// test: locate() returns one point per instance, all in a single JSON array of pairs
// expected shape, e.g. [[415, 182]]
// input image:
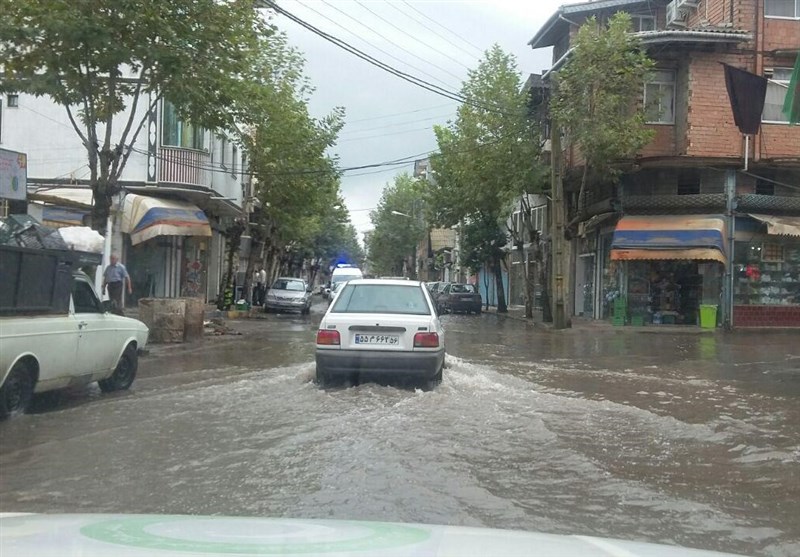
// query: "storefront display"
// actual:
[[767, 273], [766, 291], [664, 292]]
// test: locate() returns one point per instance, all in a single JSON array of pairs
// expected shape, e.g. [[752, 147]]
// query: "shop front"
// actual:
[[669, 269], [766, 287], [166, 247]]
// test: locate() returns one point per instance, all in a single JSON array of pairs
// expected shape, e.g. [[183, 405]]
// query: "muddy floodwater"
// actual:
[[687, 439]]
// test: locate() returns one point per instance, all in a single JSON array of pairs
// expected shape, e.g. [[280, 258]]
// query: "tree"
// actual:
[[596, 95], [487, 158], [110, 62], [295, 180], [482, 245], [398, 227]]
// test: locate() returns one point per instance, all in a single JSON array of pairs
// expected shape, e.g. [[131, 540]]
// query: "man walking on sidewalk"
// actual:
[[115, 277]]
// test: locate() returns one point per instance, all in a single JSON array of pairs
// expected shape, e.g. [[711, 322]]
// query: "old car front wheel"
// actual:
[[17, 391], [124, 373]]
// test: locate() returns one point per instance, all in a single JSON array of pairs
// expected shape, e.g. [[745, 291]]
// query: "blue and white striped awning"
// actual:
[[146, 217]]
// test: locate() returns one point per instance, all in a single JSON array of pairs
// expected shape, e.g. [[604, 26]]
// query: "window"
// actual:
[[380, 298], [177, 133], [643, 23], [12, 101], [223, 146], [659, 98], [782, 8], [764, 187], [84, 299], [234, 160], [777, 87], [689, 182]]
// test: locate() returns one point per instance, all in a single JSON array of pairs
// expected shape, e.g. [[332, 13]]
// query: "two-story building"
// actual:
[[696, 219], [181, 188]]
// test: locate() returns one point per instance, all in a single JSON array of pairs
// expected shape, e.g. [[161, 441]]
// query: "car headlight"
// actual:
[[271, 296]]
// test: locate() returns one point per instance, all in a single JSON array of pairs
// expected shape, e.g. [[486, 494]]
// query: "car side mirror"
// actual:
[[309, 289], [107, 306]]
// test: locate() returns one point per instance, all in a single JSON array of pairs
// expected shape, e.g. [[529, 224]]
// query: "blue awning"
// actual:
[[688, 237]]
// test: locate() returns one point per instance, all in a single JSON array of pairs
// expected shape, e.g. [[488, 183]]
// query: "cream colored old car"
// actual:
[[40, 353]]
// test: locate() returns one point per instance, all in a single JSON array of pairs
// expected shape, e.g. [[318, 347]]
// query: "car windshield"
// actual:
[[382, 298], [462, 288], [293, 285]]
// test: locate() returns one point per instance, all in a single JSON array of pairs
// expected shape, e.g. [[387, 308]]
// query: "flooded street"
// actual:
[[684, 439]]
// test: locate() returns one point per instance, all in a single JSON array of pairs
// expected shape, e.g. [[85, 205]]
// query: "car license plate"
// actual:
[[377, 339]]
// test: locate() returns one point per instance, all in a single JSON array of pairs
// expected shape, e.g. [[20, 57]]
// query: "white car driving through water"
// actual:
[[377, 327]]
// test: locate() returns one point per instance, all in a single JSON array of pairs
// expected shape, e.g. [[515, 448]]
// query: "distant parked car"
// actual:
[[289, 294], [436, 293], [460, 297]]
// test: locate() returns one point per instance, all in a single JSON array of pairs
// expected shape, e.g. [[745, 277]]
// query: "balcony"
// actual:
[[187, 167]]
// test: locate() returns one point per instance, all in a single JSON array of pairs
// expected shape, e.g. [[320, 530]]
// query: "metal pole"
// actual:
[[746, 151], [98, 275], [730, 191], [557, 224]]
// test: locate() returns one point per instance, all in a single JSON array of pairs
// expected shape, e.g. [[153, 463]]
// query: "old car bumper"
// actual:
[[347, 362], [287, 305]]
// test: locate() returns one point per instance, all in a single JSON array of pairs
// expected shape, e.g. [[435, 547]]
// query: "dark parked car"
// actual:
[[459, 297]]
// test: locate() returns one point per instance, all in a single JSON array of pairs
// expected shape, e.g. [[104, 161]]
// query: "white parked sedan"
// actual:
[[381, 327]]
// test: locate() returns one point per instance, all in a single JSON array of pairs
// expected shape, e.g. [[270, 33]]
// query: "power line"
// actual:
[[399, 124], [398, 114], [401, 132], [382, 65], [458, 36], [420, 41], [432, 30], [379, 49]]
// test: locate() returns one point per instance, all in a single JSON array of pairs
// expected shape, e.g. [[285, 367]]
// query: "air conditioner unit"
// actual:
[[686, 4], [676, 15]]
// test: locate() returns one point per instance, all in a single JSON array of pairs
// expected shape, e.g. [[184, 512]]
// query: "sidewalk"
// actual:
[[584, 324]]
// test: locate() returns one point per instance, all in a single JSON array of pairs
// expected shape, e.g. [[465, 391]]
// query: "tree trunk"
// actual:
[[543, 262], [486, 284], [502, 307], [102, 205], [233, 235], [530, 287]]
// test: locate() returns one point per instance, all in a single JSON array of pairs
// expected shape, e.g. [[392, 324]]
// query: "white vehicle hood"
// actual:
[[24, 535]]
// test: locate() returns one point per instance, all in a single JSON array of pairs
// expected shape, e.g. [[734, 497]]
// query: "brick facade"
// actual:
[[766, 316]]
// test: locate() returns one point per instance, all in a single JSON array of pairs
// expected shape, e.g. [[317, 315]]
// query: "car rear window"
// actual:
[[461, 288], [381, 298]]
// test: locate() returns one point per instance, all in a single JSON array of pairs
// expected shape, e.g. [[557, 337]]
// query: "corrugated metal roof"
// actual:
[[779, 225], [581, 7]]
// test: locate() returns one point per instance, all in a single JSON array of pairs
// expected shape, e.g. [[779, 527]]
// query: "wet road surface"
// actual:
[[676, 438]]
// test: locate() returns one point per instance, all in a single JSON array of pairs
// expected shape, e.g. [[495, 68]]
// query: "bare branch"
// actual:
[[127, 152], [134, 106], [112, 86]]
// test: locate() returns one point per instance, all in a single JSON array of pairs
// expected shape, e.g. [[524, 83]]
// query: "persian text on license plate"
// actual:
[[377, 339]]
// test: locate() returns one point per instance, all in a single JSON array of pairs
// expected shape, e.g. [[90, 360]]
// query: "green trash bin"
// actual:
[[708, 316]]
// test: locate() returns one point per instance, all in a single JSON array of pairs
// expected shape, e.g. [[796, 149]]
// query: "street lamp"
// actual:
[[401, 214]]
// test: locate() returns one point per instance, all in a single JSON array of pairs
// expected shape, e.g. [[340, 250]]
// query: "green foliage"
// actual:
[[108, 62], [482, 243], [597, 95], [394, 237], [487, 158], [489, 155]]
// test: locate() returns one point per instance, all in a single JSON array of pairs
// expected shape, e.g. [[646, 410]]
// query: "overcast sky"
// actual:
[[386, 117]]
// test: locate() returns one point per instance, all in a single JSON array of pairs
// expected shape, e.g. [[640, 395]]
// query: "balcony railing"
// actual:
[[184, 166]]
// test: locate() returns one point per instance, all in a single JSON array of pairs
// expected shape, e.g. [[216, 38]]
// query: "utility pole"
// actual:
[[557, 229]]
